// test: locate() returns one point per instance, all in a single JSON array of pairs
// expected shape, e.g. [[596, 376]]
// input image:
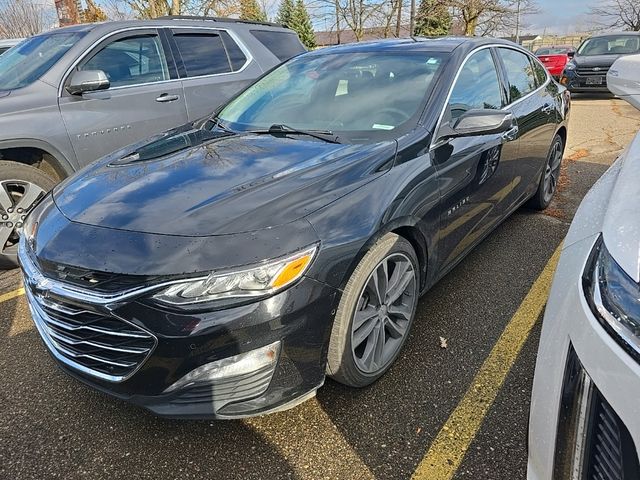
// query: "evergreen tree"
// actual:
[[433, 18], [301, 23], [285, 12], [251, 10]]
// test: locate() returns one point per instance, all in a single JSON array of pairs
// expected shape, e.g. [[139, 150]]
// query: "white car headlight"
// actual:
[[570, 66], [254, 281], [614, 297]]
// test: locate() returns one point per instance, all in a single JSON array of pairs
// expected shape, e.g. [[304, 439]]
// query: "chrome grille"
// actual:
[[100, 345], [588, 71]]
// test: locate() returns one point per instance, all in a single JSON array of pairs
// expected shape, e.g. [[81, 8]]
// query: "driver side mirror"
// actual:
[[479, 122], [571, 54], [84, 81]]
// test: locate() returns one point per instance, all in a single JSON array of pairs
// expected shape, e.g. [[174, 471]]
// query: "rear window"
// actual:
[[202, 53], [283, 45]]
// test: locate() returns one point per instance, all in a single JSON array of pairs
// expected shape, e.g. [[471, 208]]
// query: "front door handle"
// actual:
[[511, 134], [165, 97], [547, 108]]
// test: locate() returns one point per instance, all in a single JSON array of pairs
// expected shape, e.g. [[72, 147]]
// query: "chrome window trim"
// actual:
[[90, 50], [435, 144], [234, 37]]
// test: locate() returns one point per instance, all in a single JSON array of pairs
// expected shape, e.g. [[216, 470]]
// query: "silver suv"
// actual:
[[72, 95]]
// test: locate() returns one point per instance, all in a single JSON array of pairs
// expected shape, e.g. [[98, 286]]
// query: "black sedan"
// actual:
[[226, 267]]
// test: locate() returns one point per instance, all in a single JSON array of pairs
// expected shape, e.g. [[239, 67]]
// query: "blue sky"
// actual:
[[560, 16]]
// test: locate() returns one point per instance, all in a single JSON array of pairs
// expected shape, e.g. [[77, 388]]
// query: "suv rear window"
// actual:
[[202, 53], [283, 45]]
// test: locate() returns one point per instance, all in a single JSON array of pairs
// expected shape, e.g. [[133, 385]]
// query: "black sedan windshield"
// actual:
[[27, 62], [372, 93], [610, 45]]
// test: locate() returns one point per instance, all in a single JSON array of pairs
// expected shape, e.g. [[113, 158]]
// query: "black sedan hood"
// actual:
[[595, 60], [220, 184]]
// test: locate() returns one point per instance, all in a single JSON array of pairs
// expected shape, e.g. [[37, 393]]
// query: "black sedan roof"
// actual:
[[432, 44]]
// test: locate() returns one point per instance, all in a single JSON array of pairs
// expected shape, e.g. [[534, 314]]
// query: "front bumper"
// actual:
[[613, 379], [576, 83], [131, 349]]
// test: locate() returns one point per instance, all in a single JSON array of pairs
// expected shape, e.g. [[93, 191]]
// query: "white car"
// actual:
[[585, 408], [623, 79], [8, 43]]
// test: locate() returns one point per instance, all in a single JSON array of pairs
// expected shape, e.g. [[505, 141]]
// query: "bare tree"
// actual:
[[23, 18], [360, 14], [623, 14], [488, 17]]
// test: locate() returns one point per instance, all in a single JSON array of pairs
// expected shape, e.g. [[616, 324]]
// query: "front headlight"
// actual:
[[244, 283], [570, 66], [614, 297]]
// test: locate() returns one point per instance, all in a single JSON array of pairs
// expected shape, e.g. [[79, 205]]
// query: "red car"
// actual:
[[555, 58]]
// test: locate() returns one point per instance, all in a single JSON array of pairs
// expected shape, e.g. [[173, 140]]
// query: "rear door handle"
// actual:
[[511, 134], [547, 108], [165, 97]]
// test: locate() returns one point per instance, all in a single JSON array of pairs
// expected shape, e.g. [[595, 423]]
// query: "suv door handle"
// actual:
[[165, 97], [511, 134], [547, 108]]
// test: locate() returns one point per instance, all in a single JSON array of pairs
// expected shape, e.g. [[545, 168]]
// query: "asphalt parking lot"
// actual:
[[433, 415]]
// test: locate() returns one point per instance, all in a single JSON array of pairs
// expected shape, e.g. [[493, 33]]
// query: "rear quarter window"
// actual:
[[283, 45]]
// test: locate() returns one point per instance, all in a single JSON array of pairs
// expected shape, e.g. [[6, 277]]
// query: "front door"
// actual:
[[143, 98], [474, 175]]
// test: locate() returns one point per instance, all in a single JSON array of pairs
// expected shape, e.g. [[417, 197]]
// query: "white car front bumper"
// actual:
[[591, 421]]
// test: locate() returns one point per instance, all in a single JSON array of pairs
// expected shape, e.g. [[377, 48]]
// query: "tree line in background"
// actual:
[[389, 18]]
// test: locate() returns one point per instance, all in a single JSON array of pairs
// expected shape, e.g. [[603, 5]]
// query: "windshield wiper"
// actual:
[[217, 122], [280, 129]]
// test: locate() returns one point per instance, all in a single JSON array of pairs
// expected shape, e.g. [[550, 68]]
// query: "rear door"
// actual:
[[534, 107], [145, 96], [213, 64], [474, 173]]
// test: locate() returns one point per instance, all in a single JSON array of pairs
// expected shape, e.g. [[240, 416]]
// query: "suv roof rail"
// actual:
[[218, 19]]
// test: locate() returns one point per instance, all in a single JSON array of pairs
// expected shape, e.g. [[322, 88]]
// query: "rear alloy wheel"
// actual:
[[549, 181], [21, 186], [375, 313]]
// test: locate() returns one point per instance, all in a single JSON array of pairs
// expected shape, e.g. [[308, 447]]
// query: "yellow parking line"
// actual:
[[445, 454], [12, 294]]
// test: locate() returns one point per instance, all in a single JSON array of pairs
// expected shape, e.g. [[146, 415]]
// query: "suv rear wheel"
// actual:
[[21, 186]]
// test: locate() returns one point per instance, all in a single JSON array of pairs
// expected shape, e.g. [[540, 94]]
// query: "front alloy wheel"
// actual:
[[375, 313], [21, 186], [384, 311]]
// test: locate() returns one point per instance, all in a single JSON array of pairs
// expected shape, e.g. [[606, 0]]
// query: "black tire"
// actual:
[[342, 364], [17, 182], [551, 173]]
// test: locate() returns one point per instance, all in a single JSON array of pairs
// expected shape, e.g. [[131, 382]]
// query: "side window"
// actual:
[[236, 56], [477, 86], [520, 73], [283, 45], [540, 71], [202, 53], [131, 61]]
